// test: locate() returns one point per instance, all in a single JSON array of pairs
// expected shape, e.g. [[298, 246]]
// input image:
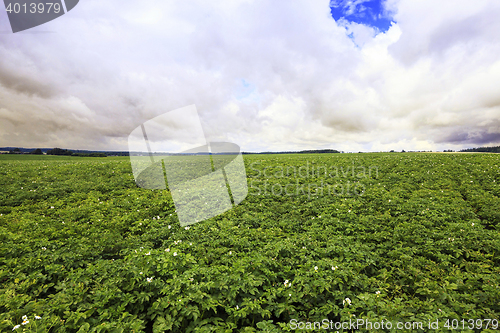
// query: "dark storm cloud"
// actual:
[[12, 78], [472, 137]]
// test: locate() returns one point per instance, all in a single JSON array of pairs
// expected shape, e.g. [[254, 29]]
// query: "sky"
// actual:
[[359, 75]]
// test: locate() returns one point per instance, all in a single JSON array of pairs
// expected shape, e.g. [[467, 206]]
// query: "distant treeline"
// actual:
[[66, 152], [319, 151], [59, 151], [482, 150], [18, 151], [62, 152], [90, 153], [316, 151]]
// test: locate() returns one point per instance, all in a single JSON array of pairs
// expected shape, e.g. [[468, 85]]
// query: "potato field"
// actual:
[[319, 239]]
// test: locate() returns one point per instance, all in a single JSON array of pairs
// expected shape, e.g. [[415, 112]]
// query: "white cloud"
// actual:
[[429, 81]]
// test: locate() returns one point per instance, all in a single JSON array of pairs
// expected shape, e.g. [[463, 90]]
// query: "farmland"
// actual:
[[399, 237]]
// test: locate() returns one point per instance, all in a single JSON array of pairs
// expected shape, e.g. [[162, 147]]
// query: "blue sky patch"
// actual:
[[244, 89], [368, 12]]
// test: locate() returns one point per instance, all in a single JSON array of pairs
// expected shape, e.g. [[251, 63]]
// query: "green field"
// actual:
[[398, 237]]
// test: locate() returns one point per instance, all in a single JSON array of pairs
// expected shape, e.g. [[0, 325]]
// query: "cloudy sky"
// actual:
[[353, 75]]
